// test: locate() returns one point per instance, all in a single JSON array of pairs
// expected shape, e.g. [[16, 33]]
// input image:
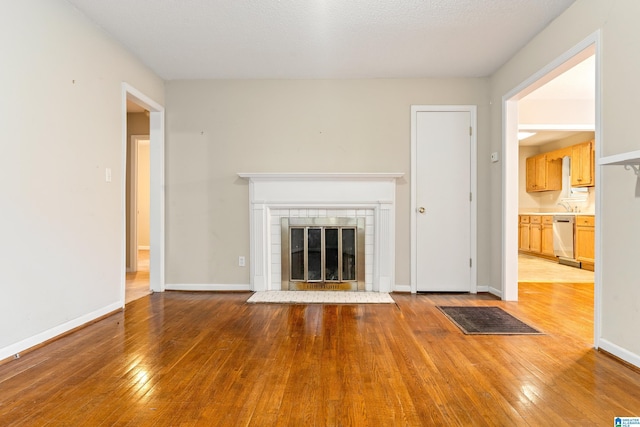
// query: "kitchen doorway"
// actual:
[[511, 165], [554, 122]]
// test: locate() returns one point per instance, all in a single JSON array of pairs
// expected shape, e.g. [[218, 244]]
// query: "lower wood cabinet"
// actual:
[[535, 237], [547, 236], [535, 234], [585, 241], [523, 233]]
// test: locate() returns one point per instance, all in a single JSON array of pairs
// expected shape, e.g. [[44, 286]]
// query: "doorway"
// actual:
[[556, 122], [443, 214], [510, 148], [138, 201], [156, 188]]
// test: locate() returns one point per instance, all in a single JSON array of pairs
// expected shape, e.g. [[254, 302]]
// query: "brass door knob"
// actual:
[[421, 210]]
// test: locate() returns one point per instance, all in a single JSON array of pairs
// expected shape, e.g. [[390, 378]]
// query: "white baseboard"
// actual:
[[206, 287], [481, 288], [37, 339], [494, 291], [620, 352]]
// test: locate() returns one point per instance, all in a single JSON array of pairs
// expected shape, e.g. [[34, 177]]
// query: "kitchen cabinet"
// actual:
[[582, 165], [523, 233], [547, 236], [535, 233], [543, 173], [585, 241]]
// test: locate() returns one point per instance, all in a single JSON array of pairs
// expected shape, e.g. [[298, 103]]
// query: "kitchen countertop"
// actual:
[[555, 213]]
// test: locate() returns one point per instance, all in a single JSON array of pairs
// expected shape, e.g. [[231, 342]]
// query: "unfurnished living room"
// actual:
[[319, 213]]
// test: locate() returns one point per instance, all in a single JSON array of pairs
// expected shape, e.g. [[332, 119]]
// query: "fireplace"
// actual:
[[369, 197], [323, 253]]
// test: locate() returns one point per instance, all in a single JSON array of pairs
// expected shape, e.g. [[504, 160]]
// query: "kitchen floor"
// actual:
[[534, 269]]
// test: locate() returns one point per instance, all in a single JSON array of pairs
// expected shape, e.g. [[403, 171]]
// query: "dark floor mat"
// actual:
[[486, 320]]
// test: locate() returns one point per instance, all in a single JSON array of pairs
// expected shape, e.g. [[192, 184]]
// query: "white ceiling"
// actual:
[[193, 39], [576, 83]]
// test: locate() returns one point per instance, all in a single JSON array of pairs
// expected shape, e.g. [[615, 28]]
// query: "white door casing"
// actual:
[[443, 214]]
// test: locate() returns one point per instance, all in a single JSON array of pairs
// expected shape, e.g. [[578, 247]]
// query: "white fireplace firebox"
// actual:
[[368, 198]]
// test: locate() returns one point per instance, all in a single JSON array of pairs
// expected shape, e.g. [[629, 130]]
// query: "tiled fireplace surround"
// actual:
[[273, 196]]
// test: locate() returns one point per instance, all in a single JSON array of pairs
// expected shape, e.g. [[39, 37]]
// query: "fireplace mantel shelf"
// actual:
[[320, 176]]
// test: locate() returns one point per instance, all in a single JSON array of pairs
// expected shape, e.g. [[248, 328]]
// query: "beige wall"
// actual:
[[61, 126], [620, 206], [216, 129]]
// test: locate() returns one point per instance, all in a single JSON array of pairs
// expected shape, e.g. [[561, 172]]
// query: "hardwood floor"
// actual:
[[137, 284], [211, 359]]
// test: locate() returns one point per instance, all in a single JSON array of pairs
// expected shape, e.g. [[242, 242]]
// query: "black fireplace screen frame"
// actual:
[[323, 253]]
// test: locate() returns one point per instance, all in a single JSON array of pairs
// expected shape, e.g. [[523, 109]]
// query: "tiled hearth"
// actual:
[[367, 195]]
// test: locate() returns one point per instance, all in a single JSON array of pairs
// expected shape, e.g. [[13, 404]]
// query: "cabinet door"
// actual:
[[531, 174], [582, 166], [535, 238], [585, 233], [523, 233], [547, 235], [543, 174]]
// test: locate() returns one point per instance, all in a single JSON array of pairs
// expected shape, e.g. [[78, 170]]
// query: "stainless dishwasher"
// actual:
[[563, 240]]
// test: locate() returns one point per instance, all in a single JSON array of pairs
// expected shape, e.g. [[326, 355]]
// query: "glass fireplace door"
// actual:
[[321, 254]]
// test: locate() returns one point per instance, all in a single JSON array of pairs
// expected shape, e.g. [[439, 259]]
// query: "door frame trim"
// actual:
[[157, 196], [472, 110]]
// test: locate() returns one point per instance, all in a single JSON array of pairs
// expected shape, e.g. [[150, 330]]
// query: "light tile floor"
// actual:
[[534, 269]]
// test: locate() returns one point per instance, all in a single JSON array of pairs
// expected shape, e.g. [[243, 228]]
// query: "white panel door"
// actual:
[[443, 189]]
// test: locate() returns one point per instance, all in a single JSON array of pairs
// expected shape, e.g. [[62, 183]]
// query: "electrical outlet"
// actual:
[[241, 261]]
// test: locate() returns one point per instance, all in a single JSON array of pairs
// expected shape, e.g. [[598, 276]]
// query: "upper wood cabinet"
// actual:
[[582, 165], [543, 173]]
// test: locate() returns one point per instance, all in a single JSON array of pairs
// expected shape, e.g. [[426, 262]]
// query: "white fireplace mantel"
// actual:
[[374, 191]]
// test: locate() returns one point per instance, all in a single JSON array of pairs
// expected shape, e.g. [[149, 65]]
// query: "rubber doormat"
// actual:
[[486, 321]]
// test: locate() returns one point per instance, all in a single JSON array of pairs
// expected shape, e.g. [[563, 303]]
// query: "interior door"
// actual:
[[443, 200]]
